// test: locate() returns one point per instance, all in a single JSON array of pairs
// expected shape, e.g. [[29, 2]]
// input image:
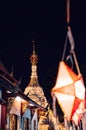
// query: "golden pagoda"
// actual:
[[33, 90]]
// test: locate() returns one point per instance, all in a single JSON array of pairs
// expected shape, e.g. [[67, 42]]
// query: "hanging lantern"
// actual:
[[69, 90]]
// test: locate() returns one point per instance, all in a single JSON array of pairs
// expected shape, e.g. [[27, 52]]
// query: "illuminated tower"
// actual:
[[33, 89]]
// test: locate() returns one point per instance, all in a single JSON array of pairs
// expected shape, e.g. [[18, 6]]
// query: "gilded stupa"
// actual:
[[33, 90]]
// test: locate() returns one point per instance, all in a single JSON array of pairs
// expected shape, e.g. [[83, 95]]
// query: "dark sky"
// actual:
[[46, 22]]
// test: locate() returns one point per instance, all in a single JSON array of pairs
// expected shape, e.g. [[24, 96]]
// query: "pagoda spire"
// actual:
[[33, 90], [34, 61], [34, 58], [33, 41]]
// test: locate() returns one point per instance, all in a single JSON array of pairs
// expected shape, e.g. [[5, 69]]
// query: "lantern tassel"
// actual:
[[84, 121], [66, 123], [54, 104]]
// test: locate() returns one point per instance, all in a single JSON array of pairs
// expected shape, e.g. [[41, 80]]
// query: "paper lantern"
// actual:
[[69, 90]]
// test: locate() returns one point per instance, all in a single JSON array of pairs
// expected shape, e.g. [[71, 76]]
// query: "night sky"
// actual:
[[46, 22]]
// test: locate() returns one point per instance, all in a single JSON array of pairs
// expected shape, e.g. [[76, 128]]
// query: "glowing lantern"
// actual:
[[69, 90]]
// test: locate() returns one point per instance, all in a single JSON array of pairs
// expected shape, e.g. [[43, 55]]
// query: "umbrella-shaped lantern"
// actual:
[[69, 89]]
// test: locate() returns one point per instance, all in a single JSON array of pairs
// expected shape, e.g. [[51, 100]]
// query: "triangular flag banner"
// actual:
[[16, 108]]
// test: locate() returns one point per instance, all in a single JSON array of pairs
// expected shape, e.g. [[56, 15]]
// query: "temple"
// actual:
[[24, 110]]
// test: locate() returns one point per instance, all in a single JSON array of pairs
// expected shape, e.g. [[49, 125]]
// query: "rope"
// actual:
[[65, 45], [71, 37], [69, 57], [68, 11], [68, 20], [76, 62]]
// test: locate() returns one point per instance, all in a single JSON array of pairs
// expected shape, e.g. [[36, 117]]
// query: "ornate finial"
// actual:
[[34, 57], [33, 41]]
